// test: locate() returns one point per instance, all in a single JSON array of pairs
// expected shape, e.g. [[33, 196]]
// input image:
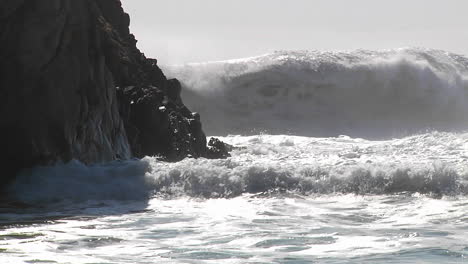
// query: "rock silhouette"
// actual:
[[74, 85]]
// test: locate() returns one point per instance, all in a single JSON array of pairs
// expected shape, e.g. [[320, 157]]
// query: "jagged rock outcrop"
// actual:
[[218, 149], [60, 64], [152, 114], [156, 120]]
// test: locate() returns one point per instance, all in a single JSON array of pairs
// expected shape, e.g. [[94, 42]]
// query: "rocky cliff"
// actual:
[[74, 85]]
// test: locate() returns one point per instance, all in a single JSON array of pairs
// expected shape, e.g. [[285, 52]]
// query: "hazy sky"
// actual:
[[180, 31]]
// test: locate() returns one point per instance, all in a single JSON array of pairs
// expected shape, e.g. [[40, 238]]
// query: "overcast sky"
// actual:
[[181, 31]]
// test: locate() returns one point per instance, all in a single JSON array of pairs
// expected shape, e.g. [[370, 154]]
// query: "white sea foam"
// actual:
[[279, 198], [433, 163], [374, 94]]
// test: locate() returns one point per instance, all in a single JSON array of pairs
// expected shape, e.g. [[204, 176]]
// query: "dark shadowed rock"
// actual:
[[218, 149], [60, 64], [160, 125], [57, 89]]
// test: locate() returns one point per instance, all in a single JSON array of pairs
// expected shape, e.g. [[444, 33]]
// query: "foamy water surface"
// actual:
[[294, 191], [278, 199]]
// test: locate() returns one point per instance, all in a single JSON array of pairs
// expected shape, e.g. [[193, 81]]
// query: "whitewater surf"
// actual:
[[338, 157]]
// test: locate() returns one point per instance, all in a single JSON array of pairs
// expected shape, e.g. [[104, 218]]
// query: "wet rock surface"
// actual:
[[218, 149]]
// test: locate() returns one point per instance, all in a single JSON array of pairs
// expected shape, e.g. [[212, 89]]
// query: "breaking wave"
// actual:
[[414, 101], [433, 164], [372, 94]]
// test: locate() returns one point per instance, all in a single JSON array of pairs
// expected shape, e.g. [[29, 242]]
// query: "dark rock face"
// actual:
[[60, 64], [152, 115], [57, 89]]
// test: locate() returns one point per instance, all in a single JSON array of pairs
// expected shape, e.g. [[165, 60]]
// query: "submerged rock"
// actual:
[[218, 149], [60, 64]]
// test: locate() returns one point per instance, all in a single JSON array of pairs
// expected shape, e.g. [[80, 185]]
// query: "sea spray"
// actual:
[[372, 94], [279, 198]]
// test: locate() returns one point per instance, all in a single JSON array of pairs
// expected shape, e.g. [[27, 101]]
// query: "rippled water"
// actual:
[[278, 199]]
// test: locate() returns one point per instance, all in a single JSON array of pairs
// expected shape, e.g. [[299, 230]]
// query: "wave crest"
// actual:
[[213, 183], [371, 94]]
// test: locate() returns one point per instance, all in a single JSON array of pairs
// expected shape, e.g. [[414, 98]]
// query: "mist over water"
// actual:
[[371, 94]]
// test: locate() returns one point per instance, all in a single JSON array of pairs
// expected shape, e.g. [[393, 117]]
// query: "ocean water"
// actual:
[[370, 94], [363, 160], [278, 199]]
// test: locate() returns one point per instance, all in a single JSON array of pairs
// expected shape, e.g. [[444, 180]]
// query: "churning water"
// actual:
[[394, 190]]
